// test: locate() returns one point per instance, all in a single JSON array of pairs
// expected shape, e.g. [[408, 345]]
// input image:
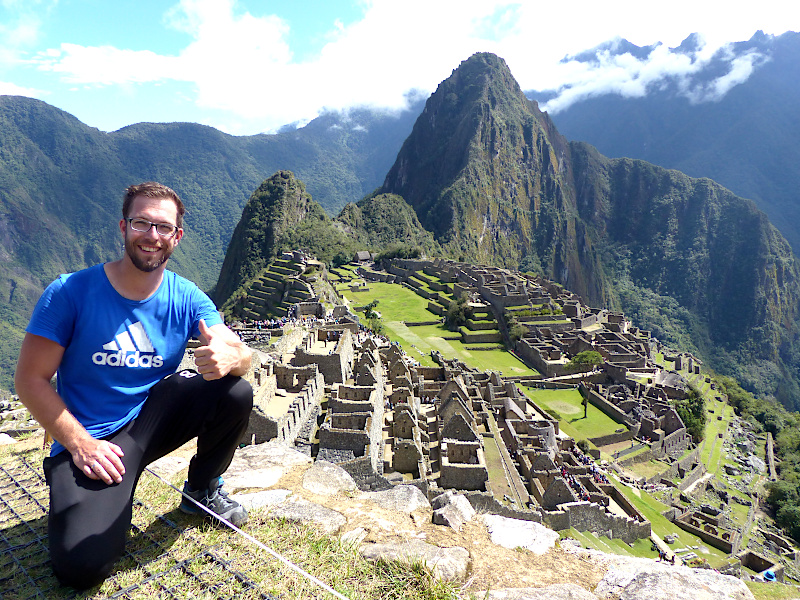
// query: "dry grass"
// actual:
[[171, 555]]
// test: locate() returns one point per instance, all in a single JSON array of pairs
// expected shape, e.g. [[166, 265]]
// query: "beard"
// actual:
[[148, 263]]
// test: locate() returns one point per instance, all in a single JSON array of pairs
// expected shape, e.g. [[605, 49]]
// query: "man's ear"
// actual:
[[122, 225]]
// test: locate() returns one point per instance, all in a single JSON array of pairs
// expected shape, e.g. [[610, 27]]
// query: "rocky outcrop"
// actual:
[[274, 480]]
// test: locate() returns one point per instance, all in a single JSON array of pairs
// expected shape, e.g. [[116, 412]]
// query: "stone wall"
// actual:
[[370, 275], [264, 426], [353, 393], [478, 337], [406, 456], [291, 338], [344, 439], [531, 356], [709, 533], [437, 308], [367, 415], [604, 405], [500, 302], [463, 476], [484, 502], [675, 443], [366, 477], [335, 367], [674, 469], [612, 438], [586, 516], [645, 456], [692, 477]]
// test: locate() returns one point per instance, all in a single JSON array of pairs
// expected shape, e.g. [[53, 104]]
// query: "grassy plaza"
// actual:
[[567, 407], [399, 305]]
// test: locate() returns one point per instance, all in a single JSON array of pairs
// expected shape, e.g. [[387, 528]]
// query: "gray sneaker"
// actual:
[[216, 501]]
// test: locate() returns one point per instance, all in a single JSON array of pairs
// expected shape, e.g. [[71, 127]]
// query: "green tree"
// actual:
[[399, 250], [788, 517], [341, 258], [375, 325], [516, 330], [692, 411], [370, 312], [458, 313], [585, 358]]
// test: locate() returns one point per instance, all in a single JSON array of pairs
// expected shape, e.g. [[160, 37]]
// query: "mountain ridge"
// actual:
[[568, 209], [745, 140]]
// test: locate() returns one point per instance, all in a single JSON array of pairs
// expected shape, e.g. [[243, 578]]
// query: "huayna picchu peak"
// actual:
[[488, 173]]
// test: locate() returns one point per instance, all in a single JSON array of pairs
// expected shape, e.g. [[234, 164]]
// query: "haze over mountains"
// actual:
[[484, 171], [745, 139]]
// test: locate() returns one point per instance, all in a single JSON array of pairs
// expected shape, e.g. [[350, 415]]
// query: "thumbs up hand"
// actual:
[[221, 352]]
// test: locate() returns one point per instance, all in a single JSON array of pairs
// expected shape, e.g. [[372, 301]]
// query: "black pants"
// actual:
[[89, 520]]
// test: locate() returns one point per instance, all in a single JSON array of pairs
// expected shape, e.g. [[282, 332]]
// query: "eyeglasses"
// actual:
[[163, 229]]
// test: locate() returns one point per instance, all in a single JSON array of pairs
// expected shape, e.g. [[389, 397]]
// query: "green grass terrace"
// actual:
[[399, 305]]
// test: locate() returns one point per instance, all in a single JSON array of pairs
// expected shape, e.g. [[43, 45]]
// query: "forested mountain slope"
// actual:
[[61, 185]]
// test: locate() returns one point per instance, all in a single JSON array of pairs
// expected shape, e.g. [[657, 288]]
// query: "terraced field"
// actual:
[[399, 305]]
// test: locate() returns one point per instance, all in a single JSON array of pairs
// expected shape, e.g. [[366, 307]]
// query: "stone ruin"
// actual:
[[367, 407], [647, 412]]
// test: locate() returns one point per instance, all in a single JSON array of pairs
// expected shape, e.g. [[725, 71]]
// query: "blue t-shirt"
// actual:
[[116, 349]]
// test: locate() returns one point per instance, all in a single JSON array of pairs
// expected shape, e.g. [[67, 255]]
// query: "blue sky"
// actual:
[[247, 66]]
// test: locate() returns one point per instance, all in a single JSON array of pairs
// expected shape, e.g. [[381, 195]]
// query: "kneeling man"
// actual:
[[116, 333]]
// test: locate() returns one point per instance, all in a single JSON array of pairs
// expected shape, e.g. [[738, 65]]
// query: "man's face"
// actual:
[[148, 250]]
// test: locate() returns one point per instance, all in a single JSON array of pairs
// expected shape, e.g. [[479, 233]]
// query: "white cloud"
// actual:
[[107, 65], [242, 69], [12, 89], [741, 69], [235, 62], [631, 77]]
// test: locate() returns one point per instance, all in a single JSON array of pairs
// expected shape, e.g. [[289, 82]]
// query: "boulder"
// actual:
[[298, 510], [452, 509], [262, 465], [401, 498], [515, 533], [656, 581], [448, 564], [326, 479]]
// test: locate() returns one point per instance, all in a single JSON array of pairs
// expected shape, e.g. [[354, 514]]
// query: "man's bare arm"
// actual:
[[222, 352], [39, 359]]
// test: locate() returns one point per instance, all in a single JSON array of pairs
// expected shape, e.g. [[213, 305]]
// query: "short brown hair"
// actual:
[[151, 189]]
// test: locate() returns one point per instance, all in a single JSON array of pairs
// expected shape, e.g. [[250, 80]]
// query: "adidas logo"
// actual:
[[130, 348]]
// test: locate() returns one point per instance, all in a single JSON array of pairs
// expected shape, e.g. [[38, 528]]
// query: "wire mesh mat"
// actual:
[[155, 565]]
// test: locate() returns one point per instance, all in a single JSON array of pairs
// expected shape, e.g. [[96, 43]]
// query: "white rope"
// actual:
[[285, 561]]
